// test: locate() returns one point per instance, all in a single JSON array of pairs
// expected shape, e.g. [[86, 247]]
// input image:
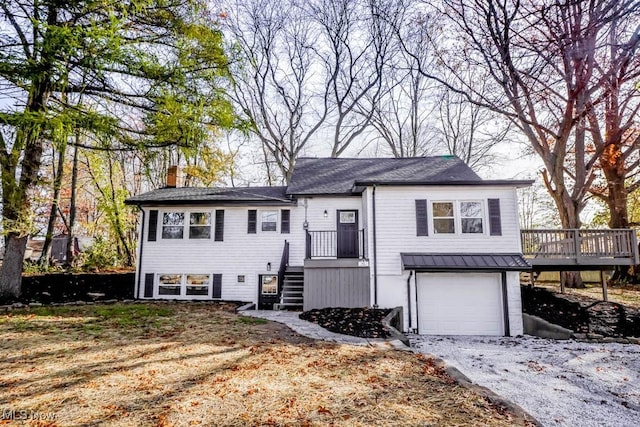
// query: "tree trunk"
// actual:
[[15, 194], [570, 219], [12, 267], [53, 214], [72, 206]]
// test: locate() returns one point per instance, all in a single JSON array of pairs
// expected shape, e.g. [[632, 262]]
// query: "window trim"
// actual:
[[457, 218], [200, 226], [184, 216], [183, 286], [275, 223], [186, 225], [454, 207]]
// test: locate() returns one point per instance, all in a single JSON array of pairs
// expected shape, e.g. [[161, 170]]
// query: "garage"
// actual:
[[460, 304], [464, 294]]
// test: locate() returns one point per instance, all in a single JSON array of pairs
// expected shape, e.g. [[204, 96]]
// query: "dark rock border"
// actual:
[[357, 322], [589, 319]]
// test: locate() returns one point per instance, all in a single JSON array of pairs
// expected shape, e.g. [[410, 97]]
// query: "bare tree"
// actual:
[[403, 114], [542, 58], [278, 84], [467, 130], [354, 45]]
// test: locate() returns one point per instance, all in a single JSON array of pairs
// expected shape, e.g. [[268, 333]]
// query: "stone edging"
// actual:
[[395, 334]]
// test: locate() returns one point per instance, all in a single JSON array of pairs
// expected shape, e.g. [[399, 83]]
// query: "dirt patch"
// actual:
[[203, 364], [357, 322]]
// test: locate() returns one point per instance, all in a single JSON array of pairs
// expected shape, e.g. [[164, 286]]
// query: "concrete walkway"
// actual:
[[314, 331]]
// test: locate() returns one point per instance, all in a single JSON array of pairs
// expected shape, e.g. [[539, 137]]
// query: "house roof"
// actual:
[[191, 195], [341, 176], [456, 262]]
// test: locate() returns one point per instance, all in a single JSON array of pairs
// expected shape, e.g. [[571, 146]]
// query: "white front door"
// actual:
[[460, 304]]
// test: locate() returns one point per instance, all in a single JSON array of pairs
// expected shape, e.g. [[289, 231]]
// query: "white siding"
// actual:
[[396, 233], [317, 205], [392, 292], [396, 224], [239, 254]]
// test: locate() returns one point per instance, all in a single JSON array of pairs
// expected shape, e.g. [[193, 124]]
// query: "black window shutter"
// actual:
[[217, 286], [219, 227], [148, 284], [422, 224], [495, 222], [253, 219], [285, 221], [153, 226]]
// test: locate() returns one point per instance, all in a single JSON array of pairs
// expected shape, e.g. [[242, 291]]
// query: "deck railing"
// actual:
[[617, 246], [324, 244]]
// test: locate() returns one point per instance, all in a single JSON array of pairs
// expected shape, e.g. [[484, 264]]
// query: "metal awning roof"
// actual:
[[458, 262]]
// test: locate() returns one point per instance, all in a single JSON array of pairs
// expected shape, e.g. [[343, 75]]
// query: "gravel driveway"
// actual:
[[560, 383]]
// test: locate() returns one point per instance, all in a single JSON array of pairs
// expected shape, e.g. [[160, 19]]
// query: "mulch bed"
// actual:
[[357, 322]]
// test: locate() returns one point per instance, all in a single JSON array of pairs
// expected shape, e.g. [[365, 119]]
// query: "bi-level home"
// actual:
[[427, 234]]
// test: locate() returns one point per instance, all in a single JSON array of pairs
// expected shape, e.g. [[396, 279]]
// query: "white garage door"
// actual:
[[460, 304]]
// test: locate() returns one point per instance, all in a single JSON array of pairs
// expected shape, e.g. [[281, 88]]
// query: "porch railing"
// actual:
[[324, 244], [571, 246]]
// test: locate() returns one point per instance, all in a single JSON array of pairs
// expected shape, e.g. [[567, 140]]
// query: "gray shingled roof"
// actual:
[[186, 195], [338, 176], [457, 262]]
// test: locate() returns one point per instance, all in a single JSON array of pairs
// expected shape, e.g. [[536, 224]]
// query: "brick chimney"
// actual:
[[173, 177]]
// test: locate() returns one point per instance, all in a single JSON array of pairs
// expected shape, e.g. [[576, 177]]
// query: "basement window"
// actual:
[[169, 284], [198, 284]]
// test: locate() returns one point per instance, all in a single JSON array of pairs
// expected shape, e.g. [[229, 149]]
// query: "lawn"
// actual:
[[202, 364]]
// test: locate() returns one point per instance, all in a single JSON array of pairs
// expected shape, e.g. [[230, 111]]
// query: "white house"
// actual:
[[423, 233]]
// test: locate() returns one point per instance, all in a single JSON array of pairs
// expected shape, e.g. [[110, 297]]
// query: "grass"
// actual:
[[202, 364]]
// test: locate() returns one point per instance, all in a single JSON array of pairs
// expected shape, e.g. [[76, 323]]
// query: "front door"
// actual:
[[268, 291], [347, 244]]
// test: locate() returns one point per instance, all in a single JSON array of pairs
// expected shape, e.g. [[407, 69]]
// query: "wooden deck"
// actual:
[[579, 249]]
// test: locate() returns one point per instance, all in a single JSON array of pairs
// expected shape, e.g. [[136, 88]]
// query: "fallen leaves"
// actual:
[[216, 370]]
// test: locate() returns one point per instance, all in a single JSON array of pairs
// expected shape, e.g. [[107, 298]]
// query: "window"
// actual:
[[198, 284], [172, 225], [347, 217], [269, 285], [169, 284], [200, 225], [443, 218], [184, 285], [471, 217], [466, 217], [269, 219]]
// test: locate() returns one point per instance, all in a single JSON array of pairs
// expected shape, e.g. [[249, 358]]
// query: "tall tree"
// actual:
[[149, 72], [276, 85], [544, 63]]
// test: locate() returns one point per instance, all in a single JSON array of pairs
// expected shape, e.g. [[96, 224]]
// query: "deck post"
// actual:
[[562, 282], [605, 295]]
